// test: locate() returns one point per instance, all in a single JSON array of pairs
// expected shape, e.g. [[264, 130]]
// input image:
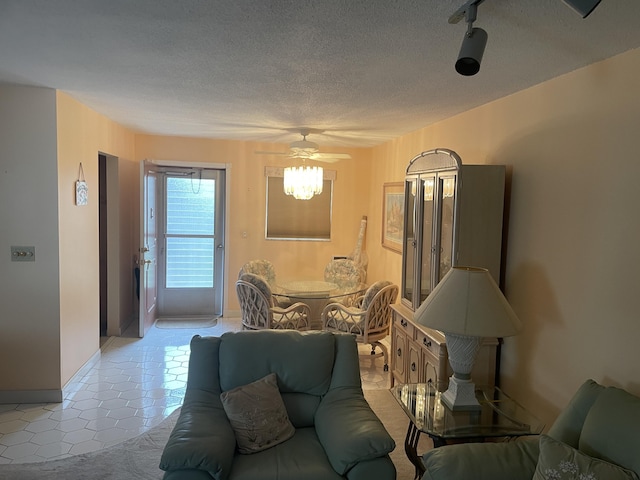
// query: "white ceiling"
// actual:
[[364, 71]]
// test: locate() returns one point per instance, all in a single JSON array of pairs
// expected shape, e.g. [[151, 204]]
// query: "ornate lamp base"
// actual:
[[461, 395]]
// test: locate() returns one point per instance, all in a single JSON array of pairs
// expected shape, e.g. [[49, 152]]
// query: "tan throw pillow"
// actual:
[[559, 461], [257, 415]]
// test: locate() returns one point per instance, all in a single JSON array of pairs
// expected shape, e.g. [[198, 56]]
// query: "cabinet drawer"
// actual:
[[403, 325], [428, 343]]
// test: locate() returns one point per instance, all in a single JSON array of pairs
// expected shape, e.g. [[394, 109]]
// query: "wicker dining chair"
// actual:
[[266, 270], [259, 310], [344, 273], [369, 320]]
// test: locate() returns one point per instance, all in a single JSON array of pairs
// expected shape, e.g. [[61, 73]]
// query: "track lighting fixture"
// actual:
[[582, 7], [474, 42]]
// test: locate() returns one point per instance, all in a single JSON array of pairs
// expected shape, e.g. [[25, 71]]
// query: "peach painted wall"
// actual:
[[246, 208], [82, 133], [571, 150]]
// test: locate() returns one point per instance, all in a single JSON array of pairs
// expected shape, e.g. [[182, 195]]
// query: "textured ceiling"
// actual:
[[362, 71]]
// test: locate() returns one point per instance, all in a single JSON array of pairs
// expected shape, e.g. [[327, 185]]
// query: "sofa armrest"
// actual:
[[378, 468], [349, 431], [201, 439], [514, 460]]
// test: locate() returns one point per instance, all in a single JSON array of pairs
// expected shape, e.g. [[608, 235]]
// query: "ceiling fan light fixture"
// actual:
[[303, 182], [303, 148], [304, 153], [304, 145]]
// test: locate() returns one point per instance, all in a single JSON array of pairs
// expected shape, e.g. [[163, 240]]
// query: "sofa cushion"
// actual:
[[568, 425], [514, 460], [611, 429], [250, 355], [301, 408], [301, 457], [559, 461], [257, 415]]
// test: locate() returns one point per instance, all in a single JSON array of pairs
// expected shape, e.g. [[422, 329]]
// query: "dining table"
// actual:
[[317, 294]]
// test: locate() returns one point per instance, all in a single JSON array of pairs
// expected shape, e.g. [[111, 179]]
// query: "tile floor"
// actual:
[[132, 387]]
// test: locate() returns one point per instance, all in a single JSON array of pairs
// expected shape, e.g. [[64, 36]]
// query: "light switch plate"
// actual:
[[23, 254]]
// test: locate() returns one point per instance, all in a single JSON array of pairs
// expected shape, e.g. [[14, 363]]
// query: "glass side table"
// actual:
[[498, 416]]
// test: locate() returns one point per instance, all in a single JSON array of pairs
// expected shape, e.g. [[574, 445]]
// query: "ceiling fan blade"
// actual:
[[325, 160], [307, 150], [260, 152], [329, 156]]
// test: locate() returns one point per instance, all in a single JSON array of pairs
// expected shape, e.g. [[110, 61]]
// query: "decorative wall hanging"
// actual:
[[82, 191], [392, 215]]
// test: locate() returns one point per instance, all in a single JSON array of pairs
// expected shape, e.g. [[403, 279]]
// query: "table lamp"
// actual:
[[466, 306]]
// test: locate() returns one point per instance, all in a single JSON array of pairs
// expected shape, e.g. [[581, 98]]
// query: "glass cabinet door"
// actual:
[[420, 238], [446, 190], [427, 189], [409, 247]]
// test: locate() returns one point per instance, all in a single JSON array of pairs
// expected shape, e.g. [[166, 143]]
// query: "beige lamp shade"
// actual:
[[467, 301]]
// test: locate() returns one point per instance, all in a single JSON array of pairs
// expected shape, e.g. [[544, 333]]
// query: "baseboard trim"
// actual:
[[47, 396], [84, 369], [31, 396]]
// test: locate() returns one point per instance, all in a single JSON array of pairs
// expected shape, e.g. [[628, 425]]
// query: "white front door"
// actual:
[[191, 251], [148, 248]]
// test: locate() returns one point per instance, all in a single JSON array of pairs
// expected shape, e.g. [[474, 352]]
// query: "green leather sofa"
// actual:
[[337, 435], [600, 423]]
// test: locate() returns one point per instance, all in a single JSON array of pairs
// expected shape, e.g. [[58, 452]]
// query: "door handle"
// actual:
[[220, 246]]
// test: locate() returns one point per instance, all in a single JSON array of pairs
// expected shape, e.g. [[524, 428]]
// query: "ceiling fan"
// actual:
[[308, 150]]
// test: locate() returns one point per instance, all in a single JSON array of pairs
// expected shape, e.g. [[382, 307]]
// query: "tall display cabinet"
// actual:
[[453, 215]]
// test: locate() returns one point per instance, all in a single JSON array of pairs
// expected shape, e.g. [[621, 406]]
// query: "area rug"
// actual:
[[187, 322], [135, 459], [138, 458]]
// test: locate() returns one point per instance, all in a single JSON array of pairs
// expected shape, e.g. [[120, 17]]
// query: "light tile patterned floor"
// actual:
[[133, 386]]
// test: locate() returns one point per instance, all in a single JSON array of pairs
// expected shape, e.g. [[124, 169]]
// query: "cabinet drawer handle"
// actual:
[[399, 352], [426, 342], [413, 367], [403, 322]]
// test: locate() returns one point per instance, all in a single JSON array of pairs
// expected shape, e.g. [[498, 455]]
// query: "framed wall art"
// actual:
[[392, 215]]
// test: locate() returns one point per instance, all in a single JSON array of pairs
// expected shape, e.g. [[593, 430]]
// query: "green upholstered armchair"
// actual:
[[595, 435], [337, 435]]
